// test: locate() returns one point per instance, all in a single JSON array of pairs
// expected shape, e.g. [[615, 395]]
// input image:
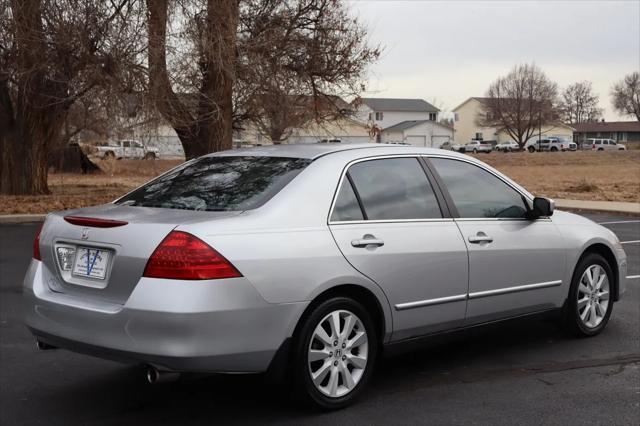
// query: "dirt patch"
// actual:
[[604, 176]]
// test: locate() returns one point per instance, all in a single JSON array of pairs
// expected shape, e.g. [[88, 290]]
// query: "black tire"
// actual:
[[600, 149], [571, 315], [109, 154], [475, 151], [304, 386], [531, 149], [554, 149], [150, 156]]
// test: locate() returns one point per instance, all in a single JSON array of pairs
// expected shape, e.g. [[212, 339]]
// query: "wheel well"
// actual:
[[605, 252], [355, 292]]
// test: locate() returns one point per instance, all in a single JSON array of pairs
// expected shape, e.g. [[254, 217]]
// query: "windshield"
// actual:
[[218, 184]]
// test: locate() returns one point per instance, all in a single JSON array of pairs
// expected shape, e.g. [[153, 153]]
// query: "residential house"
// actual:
[[466, 128], [620, 131], [418, 133], [344, 129], [387, 112]]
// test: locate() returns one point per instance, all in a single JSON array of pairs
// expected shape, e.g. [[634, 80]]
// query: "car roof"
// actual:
[[316, 150]]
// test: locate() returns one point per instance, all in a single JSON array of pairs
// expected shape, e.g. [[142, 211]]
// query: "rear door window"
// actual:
[[393, 189], [218, 184]]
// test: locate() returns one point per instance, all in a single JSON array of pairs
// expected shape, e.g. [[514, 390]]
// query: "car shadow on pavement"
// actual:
[[121, 393]]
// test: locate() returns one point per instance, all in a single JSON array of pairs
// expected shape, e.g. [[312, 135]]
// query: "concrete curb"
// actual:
[[21, 218], [600, 206]]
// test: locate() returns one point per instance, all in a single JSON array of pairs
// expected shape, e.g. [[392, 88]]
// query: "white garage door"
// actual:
[[417, 140]]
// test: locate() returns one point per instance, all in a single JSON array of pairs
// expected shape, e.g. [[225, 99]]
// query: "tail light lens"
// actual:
[[182, 256], [36, 244]]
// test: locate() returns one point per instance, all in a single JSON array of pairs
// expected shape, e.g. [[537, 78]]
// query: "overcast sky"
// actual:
[[448, 51]]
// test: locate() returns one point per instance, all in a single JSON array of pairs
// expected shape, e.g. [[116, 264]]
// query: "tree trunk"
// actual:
[[32, 121], [210, 128]]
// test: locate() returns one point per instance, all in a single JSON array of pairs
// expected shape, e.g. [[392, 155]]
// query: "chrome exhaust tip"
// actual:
[[42, 346], [155, 376]]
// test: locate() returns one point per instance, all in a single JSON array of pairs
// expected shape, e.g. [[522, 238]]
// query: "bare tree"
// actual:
[[520, 103], [203, 119], [216, 65], [301, 58], [52, 54], [626, 95], [579, 104]]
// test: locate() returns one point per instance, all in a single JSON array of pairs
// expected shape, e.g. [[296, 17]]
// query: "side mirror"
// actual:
[[542, 207]]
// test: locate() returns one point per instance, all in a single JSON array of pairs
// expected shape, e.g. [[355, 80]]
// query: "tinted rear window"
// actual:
[[218, 184]]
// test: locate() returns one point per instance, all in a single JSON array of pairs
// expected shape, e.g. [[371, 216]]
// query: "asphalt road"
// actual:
[[519, 372]]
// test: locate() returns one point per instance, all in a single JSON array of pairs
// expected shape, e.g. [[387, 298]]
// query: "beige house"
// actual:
[[343, 129], [466, 129]]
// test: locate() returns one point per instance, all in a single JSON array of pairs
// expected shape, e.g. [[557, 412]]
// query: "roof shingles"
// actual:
[[390, 104]]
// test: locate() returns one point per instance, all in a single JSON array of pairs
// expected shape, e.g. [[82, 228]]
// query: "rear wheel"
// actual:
[[334, 353], [590, 297], [531, 149], [150, 156], [109, 154]]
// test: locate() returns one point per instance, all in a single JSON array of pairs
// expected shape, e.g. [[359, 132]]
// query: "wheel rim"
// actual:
[[593, 296], [338, 353]]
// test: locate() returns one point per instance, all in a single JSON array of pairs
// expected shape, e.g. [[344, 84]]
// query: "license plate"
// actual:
[[91, 263]]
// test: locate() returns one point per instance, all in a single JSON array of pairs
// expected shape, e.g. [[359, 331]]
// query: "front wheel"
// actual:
[[334, 353], [590, 297], [531, 149]]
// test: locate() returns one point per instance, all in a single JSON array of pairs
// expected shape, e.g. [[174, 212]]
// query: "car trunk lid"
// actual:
[[100, 252]]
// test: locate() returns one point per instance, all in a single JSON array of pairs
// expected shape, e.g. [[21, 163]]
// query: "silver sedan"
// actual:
[[310, 260]]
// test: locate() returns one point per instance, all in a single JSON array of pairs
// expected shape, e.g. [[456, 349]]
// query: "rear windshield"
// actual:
[[218, 184]]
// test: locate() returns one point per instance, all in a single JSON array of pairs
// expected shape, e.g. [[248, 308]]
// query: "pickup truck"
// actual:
[[478, 146], [551, 144], [127, 149]]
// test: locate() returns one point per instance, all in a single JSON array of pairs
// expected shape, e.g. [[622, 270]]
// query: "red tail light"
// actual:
[[36, 244], [182, 256], [94, 222]]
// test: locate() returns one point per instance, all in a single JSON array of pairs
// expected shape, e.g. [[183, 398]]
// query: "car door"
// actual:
[[393, 227], [126, 149], [516, 265]]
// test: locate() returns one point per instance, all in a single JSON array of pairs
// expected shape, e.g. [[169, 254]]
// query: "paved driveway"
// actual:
[[520, 372]]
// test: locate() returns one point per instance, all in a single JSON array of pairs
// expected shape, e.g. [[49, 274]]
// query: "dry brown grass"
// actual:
[[588, 175], [610, 176], [70, 191]]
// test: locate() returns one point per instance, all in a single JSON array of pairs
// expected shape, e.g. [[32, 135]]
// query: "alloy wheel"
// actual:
[[338, 353], [593, 296]]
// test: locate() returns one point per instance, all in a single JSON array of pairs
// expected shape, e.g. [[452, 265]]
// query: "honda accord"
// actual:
[[311, 260]]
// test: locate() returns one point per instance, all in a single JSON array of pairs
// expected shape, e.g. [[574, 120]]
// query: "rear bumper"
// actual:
[[208, 326]]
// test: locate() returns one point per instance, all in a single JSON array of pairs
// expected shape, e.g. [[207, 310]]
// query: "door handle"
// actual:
[[367, 240], [480, 237]]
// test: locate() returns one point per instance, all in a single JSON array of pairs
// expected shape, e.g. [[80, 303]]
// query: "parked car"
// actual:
[[551, 144], [507, 146], [604, 145], [452, 146], [211, 270], [127, 149], [478, 146]]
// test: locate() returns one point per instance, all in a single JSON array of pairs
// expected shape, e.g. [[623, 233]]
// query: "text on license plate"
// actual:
[[91, 263]]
